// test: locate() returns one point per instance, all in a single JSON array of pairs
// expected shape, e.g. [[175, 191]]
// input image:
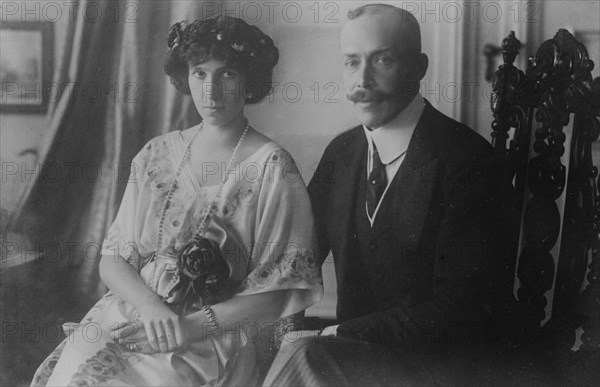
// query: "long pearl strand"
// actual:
[[207, 213]]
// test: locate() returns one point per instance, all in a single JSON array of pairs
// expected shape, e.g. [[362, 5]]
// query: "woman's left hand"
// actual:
[[132, 336]]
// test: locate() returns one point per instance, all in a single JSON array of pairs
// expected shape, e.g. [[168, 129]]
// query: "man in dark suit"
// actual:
[[403, 203]]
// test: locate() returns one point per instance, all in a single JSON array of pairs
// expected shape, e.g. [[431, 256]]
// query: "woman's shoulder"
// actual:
[[269, 155], [163, 141], [157, 141], [279, 164], [156, 150], [269, 151], [278, 154]]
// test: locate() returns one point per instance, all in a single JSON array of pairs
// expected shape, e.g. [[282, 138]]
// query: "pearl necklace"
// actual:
[[208, 212]]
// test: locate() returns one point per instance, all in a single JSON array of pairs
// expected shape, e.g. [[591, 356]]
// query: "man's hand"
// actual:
[[294, 336], [330, 330]]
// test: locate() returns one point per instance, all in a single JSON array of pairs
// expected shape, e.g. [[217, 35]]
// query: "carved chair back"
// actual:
[[545, 121]]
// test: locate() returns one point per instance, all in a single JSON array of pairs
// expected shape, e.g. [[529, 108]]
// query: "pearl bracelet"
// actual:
[[212, 320]]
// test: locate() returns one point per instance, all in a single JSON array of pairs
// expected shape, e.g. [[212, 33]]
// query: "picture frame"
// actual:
[[26, 65]]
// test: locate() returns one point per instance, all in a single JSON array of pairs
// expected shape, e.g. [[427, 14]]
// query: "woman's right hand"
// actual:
[[163, 327], [159, 326]]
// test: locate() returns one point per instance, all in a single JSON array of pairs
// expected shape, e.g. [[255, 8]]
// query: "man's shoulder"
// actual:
[[347, 137], [455, 139]]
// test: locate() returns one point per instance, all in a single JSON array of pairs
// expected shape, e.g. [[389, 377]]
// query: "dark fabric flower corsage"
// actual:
[[202, 263]]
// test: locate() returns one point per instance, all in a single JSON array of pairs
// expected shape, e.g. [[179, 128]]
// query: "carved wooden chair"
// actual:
[[545, 121]]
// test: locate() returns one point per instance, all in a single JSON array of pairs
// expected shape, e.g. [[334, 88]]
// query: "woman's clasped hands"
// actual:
[[158, 329]]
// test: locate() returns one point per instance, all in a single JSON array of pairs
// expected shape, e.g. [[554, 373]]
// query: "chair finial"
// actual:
[[510, 48]]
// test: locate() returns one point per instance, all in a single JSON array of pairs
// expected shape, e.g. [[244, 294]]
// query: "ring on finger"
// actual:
[[132, 347], [162, 339]]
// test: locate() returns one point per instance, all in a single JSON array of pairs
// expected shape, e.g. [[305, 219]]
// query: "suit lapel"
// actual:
[[353, 156], [416, 181]]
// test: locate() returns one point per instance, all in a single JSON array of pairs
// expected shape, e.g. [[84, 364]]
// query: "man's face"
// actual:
[[380, 73]]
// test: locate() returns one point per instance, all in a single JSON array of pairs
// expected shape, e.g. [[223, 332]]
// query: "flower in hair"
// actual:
[[238, 47], [176, 34]]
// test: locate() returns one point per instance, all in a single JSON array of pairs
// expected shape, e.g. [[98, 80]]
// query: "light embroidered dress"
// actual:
[[264, 226]]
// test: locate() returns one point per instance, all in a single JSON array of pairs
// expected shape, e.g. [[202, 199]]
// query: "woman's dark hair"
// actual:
[[243, 47]]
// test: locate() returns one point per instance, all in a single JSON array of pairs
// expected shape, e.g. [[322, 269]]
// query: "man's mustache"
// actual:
[[369, 96]]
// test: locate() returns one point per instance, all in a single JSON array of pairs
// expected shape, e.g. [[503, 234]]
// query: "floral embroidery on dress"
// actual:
[[288, 267], [174, 217], [302, 265], [147, 151], [45, 370], [242, 198], [153, 171], [104, 366], [159, 185], [289, 169]]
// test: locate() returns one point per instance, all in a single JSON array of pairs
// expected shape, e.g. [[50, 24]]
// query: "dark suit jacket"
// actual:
[[434, 269]]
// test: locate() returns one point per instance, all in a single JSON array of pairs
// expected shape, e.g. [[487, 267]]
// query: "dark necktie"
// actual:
[[377, 182]]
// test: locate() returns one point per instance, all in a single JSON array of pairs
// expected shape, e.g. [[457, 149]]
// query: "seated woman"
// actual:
[[213, 240]]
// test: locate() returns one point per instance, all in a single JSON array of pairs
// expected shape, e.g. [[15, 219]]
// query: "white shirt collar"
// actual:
[[392, 139]]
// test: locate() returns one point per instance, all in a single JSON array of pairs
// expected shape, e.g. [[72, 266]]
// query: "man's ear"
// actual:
[[422, 63]]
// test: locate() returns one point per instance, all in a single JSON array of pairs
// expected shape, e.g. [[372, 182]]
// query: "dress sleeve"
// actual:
[[283, 254], [124, 234]]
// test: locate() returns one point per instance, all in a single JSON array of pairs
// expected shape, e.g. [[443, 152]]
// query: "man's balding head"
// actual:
[[403, 19]]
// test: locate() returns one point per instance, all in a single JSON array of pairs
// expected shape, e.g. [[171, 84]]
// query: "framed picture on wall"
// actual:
[[26, 59]]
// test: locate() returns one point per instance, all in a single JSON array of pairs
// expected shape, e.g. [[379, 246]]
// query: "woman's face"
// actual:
[[217, 91]]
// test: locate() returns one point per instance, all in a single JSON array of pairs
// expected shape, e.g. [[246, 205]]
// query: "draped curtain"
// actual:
[[118, 99]]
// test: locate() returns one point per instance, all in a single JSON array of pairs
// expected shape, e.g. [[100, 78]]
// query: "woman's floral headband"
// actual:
[[239, 44]]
